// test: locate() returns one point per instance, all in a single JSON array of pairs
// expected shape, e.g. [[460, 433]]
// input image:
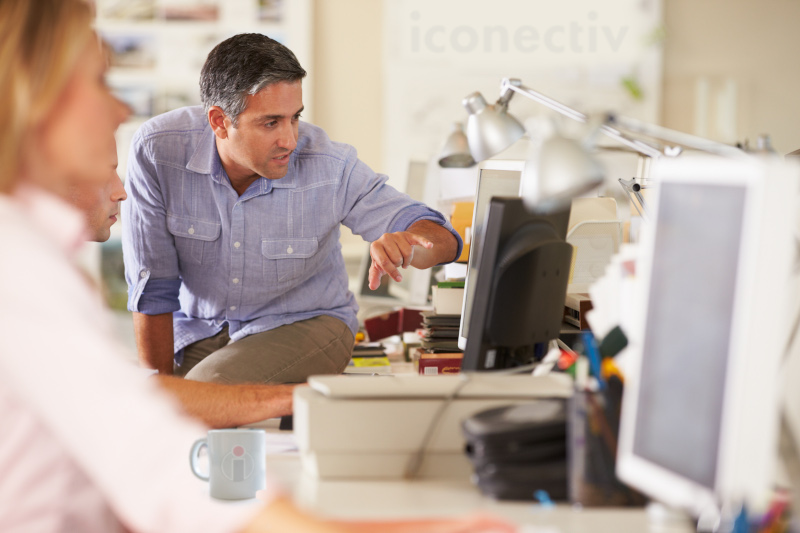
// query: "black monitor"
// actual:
[[521, 284]]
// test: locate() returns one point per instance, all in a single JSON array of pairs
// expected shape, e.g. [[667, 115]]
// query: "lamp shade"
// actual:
[[455, 153], [490, 129], [558, 170]]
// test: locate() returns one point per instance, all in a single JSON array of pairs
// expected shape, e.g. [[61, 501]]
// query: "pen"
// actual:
[[594, 357]]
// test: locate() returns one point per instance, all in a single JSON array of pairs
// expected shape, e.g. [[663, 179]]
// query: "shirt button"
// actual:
[[143, 274], [191, 231], [237, 244], [289, 250], [235, 280], [233, 308]]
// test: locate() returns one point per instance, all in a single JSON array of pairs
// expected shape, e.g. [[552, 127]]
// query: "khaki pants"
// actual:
[[288, 354]]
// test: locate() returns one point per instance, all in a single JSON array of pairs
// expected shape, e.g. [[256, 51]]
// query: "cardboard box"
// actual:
[[461, 219], [576, 305], [447, 301]]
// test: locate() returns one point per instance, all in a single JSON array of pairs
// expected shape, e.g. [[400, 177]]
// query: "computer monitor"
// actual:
[[492, 182], [520, 285], [700, 408]]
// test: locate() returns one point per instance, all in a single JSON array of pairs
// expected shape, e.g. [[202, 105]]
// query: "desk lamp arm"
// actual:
[[509, 86], [678, 139]]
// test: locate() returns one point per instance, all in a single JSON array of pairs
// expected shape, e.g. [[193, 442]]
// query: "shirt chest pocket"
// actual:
[[285, 259], [194, 239]]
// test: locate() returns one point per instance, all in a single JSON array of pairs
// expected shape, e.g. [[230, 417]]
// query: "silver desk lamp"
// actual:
[[456, 153], [491, 129]]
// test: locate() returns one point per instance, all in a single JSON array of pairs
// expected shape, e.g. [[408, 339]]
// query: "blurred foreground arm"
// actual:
[[281, 515], [225, 406]]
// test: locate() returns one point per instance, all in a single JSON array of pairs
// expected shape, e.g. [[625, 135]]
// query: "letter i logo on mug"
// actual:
[[238, 464], [236, 458]]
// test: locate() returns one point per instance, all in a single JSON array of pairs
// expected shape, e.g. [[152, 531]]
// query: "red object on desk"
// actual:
[[393, 323], [434, 364]]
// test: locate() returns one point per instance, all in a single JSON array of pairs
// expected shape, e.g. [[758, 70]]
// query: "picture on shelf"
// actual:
[[195, 10], [126, 9], [131, 50], [270, 10]]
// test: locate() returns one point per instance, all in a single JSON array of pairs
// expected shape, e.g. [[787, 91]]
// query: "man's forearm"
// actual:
[[224, 406], [444, 248], [154, 339]]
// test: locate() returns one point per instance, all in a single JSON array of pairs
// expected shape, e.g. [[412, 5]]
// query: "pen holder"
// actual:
[[592, 429]]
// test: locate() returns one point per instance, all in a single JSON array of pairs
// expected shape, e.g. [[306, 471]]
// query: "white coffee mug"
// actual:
[[236, 462]]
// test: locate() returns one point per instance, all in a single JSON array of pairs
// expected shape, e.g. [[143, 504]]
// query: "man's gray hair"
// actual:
[[241, 65]]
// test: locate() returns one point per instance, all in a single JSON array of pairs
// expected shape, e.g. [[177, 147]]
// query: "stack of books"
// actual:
[[440, 332], [369, 358], [439, 353], [434, 364]]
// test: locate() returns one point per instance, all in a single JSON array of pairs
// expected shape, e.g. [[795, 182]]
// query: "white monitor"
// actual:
[[501, 178], [700, 409]]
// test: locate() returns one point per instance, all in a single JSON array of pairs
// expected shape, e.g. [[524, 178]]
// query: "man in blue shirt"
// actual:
[[231, 234]]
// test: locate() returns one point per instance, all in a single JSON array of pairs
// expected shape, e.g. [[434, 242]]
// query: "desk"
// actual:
[[438, 498]]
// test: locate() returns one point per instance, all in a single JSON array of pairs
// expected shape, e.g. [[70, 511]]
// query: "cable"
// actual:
[[414, 464]]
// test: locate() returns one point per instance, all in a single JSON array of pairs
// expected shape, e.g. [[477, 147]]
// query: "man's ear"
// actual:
[[219, 122]]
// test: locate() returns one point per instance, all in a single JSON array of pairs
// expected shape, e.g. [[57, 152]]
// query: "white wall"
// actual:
[[575, 51], [347, 80], [743, 55], [745, 50]]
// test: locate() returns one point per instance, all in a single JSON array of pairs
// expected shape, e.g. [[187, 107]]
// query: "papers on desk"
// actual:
[[369, 358], [613, 299], [283, 442], [278, 441]]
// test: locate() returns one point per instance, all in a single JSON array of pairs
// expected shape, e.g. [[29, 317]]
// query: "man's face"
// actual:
[[100, 204], [266, 134]]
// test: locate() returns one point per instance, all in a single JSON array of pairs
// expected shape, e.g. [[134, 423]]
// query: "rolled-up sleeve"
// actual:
[[151, 260], [371, 207]]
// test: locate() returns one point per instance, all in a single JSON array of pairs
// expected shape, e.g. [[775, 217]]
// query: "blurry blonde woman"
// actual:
[[87, 445]]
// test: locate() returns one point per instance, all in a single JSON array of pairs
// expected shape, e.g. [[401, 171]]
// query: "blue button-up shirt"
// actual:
[[193, 247]]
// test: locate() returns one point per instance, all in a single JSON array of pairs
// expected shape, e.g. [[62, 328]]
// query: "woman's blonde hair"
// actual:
[[40, 41]]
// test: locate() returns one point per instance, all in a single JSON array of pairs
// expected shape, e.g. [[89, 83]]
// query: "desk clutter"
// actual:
[[369, 358], [439, 352], [434, 364], [395, 322], [439, 332], [517, 436]]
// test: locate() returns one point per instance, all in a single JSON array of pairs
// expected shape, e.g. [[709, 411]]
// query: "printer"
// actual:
[[373, 427]]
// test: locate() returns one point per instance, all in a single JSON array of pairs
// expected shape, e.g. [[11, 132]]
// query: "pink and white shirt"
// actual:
[[87, 443]]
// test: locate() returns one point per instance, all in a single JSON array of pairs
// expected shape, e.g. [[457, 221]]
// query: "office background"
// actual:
[[721, 69], [718, 57], [752, 44]]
